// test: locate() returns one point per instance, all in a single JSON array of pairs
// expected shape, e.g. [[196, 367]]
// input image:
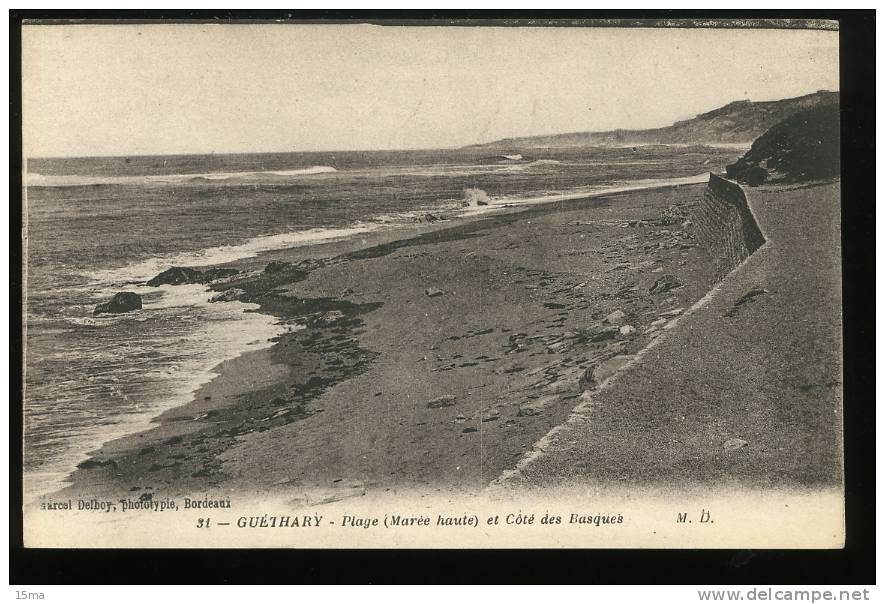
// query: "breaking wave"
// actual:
[[35, 179], [143, 270]]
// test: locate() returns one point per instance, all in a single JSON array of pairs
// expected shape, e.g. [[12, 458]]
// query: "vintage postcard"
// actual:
[[312, 285]]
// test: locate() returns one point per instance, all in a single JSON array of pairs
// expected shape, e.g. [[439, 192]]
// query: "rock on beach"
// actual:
[[182, 275], [229, 295], [121, 302]]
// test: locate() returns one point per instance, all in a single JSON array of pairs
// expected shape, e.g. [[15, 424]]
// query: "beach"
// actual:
[[425, 358], [101, 226]]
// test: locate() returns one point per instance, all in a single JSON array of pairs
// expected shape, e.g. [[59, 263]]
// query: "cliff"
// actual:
[[802, 147], [734, 123]]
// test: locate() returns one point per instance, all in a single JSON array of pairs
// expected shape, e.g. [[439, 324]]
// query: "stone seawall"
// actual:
[[724, 224], [745, 390]]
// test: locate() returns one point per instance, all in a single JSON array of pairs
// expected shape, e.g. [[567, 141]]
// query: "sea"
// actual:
[[96, 226]]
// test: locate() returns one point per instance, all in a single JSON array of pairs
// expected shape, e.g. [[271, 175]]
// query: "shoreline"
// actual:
[[379, 228], [329, 241], [194, 439], [183, 390]]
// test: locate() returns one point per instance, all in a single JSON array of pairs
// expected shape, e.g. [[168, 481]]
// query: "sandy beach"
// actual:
[[430, 357]]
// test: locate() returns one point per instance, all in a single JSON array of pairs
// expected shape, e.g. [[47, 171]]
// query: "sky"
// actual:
[[138, 89]]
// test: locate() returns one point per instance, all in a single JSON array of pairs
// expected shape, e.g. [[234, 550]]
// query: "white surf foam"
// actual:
[[206, 334], [495, 204], [146, 269], [259, 175], [34, 179], [227, 331]]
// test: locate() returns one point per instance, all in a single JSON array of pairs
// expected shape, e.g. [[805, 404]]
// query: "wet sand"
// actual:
[[427, 358]]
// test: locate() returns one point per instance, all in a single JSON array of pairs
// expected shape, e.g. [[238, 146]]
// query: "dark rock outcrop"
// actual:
[[176, 275], [229, 295], [327, 319], [92, 463], [802, 147], [120, 303], [181, 275], [276, 267], [755, 176], [213, 274]]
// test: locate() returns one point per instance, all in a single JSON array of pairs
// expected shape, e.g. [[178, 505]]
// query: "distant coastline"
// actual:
[[738, 123]]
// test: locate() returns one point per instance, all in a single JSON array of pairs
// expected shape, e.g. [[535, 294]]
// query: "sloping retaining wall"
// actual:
[[724, 224]]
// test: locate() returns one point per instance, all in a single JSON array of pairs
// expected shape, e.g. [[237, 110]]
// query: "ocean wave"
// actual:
[[447, 170], [35, 179], [100, 320], [259, 175], [497, 203], [146, 269], [166, 301], [177, 296], [522, 167], [136, 374]]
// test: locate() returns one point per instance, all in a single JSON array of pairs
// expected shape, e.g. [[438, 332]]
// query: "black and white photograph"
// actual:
[[367, 285]]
